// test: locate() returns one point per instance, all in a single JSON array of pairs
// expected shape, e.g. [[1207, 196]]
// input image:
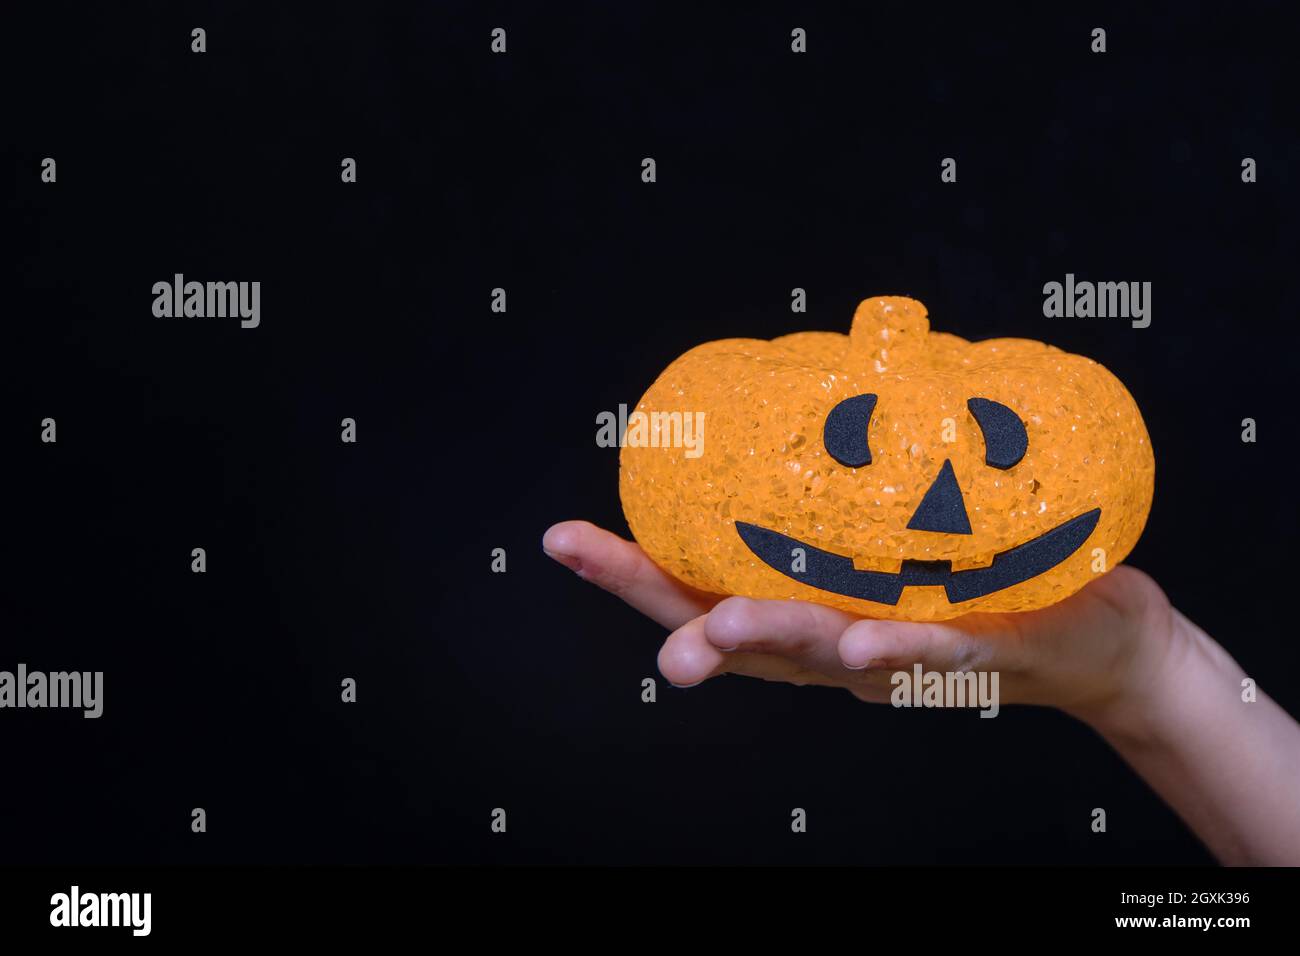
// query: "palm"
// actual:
[[1066, 655]]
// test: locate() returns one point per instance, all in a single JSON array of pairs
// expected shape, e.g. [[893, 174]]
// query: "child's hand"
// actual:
[[1092, 654], [1116, 655]]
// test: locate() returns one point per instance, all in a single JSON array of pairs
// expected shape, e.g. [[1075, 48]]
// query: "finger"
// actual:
[[942, 645], [807, 634], [623, 569], [687, 657]]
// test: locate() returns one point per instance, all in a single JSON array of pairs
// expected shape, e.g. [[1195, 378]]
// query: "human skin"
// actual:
[[1116, 655]]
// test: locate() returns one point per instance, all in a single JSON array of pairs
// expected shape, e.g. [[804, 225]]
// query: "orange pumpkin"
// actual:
[[893, 472]]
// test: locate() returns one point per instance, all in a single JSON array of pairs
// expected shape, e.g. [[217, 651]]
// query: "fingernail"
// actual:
[[855, 644], [687, 686], [873, 662], [570, 561], [846, 647]]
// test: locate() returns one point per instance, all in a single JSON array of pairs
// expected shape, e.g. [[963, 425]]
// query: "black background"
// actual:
[[476, 430]]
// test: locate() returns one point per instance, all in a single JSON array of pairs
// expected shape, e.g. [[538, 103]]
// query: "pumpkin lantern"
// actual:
[[893, 472]]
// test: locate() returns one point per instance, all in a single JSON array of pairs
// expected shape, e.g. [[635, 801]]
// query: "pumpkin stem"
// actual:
[[888, 332]]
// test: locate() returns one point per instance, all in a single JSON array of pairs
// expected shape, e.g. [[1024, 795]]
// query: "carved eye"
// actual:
[[845, 434], [1005, 438]]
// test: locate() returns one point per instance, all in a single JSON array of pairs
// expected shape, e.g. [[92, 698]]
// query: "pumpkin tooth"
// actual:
[[869, 563], [894, 565]]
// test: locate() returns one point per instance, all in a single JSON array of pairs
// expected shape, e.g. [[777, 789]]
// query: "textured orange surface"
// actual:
[[763, 461]]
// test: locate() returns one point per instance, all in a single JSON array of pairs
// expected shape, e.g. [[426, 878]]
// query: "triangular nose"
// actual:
[[942, 509]]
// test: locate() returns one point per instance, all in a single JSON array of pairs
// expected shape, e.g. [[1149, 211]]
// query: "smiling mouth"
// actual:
[[833, 572]]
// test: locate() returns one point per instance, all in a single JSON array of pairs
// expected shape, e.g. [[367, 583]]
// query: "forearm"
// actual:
[[1229, 768]]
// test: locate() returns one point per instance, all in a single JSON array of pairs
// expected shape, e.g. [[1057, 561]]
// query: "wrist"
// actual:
[[1170, 667]]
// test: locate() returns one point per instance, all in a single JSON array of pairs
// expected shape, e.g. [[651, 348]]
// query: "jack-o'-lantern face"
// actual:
[[893, 472]]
